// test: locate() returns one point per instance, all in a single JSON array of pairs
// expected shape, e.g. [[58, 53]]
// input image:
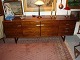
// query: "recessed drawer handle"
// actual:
[[37, 25], [67, 24], [40, 25]]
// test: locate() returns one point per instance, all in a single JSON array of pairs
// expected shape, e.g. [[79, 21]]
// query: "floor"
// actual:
[[71, 41], [34, 49]]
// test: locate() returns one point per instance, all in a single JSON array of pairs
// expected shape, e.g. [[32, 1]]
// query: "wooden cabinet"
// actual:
[[43, 27]]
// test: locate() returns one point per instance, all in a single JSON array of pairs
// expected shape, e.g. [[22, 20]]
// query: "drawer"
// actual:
[[30, 23], [13, 30], [50, 23], [31, 34], [13, 33], [67, 23], [31, 30], [49, 34], [65, 33], [66, 29], [49, 29], [12, 24]]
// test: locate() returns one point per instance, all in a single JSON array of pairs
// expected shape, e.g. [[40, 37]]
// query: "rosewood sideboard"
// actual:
[[39, 27]]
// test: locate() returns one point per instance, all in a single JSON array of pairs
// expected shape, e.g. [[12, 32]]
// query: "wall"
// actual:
[[59, 12]]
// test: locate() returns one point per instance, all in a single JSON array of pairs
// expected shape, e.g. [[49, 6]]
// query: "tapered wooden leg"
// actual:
[[63, 37], [3, 40], [16, 39]]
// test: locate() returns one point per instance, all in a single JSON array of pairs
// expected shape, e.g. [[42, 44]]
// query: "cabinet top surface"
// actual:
[[45, 17]]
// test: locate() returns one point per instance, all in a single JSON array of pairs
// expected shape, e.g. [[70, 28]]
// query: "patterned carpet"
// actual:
[[41, 49]]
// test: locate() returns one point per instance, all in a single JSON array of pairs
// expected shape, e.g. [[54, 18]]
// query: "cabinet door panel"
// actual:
[[49, 28], [49, 31], [12, 29], [13, 33], [31, 29]]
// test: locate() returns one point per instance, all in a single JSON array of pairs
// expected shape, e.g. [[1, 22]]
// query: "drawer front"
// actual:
[[30, 23], [64, 28], [67, 23], [12, 24], [51, 23], [13, 33], [65, 33]]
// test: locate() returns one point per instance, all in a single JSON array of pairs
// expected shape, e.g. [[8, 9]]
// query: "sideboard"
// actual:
[[39, 27]]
